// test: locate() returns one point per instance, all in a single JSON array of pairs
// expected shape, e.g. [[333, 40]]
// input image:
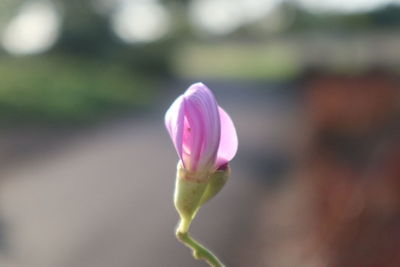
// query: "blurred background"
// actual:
[[87, 168]]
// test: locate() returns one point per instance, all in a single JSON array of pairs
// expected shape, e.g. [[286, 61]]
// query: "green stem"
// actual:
[[199, 251]]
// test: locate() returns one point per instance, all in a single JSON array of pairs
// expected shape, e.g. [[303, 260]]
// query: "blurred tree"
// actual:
[[305, 20], [388, 16], [84, 31], [87, 33]]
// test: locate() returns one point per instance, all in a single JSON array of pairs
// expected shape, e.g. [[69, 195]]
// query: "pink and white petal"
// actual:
[[212, 125], [194, 135], [228, 144], [174, 122], [203, 101]]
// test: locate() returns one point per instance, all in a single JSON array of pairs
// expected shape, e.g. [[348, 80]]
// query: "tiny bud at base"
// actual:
[[217, 181]]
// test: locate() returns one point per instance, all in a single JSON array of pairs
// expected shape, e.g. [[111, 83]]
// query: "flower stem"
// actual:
[[199, 251]]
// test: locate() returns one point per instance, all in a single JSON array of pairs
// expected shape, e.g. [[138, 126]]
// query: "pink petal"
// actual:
[[174, 122], [201, 112], [228, 144], [203, 133], [193, 136]]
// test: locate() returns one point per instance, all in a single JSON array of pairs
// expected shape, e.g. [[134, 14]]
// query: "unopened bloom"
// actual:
[[205, 138], [202, 132]]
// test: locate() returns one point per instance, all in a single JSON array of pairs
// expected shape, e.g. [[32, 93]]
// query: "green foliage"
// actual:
[[67, 89], [237, 61], [384, 18]]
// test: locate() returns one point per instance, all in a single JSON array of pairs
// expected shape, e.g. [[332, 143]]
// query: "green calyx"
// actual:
[[192, 190], [216, 182]]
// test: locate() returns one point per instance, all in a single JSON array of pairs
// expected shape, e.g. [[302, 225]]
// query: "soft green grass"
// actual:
[[237, 61], [61, 89]]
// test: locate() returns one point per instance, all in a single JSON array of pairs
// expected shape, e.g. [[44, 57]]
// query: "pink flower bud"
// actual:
[[202, 132]]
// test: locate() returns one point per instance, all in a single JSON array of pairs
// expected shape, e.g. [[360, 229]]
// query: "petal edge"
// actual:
[[228, 144]]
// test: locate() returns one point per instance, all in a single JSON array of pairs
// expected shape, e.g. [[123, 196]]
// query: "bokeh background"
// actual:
[[87, 168]]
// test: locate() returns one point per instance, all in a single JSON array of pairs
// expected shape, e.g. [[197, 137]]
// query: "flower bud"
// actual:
[[205, 139], [202, 132]]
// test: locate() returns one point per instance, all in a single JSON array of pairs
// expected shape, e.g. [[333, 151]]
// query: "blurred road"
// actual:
[[104, 197]]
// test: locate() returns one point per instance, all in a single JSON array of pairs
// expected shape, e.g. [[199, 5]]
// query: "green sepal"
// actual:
[[188, 193], [215, 184], [192, 190]]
